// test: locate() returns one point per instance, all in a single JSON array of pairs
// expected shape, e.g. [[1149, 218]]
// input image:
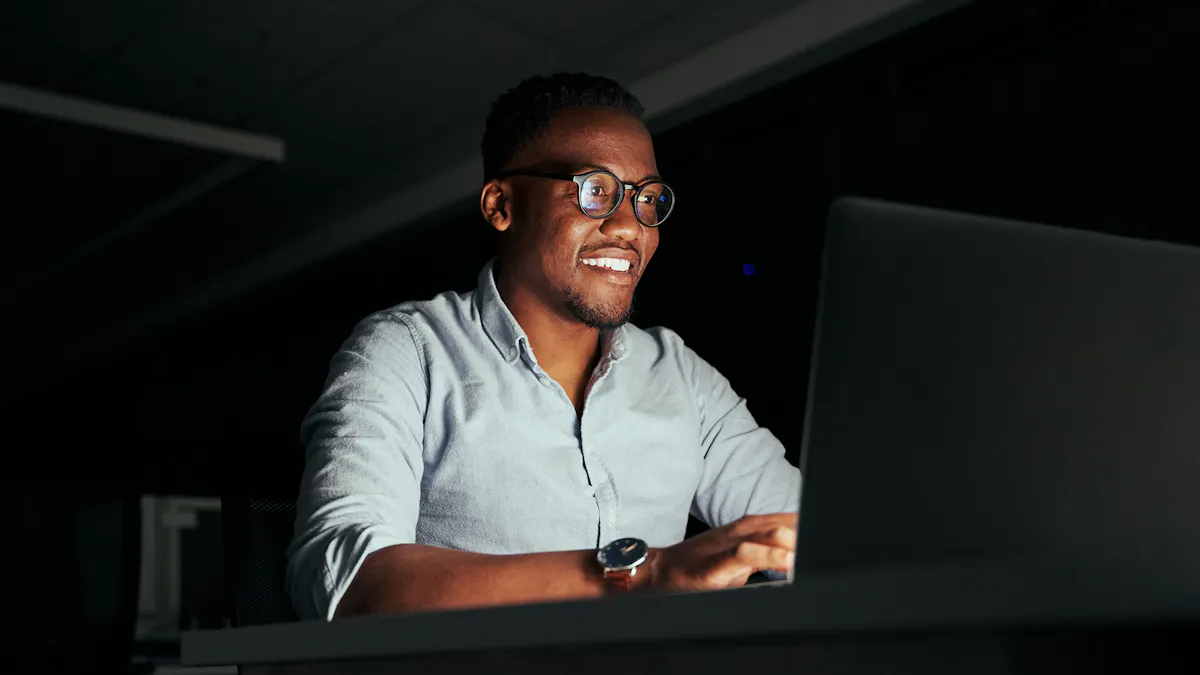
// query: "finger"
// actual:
[[782, 536], [786, 518], [766, 522], [762, 557]]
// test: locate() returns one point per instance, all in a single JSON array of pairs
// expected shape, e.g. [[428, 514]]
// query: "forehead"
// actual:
[[587, 137]]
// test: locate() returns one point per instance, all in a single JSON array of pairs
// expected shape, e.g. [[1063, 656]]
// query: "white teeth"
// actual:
[[614, 264]]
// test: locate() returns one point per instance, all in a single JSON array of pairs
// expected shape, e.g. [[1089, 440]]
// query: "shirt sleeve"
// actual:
[[360, 490], [745, 471]]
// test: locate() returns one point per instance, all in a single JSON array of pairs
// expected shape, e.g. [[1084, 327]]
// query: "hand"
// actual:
[[725, 557]]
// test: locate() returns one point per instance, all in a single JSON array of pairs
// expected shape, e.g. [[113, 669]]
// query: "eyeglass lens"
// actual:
[[601, 194]]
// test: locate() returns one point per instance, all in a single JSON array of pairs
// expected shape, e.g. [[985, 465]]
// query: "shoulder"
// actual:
[[416, 323], [660, 349], [656, 341], [663, 354]]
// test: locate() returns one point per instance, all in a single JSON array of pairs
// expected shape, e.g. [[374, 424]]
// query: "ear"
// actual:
[[495, 202]]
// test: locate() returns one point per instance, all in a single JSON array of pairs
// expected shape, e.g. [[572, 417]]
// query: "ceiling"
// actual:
[[175, 154]]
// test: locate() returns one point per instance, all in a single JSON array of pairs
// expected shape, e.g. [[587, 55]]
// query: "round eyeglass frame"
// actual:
[[582, 178]]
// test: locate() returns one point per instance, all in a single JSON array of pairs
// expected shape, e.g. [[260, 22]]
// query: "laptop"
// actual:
[[983, 389]]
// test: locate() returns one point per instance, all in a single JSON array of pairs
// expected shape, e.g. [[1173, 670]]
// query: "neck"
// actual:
[[562, 344]]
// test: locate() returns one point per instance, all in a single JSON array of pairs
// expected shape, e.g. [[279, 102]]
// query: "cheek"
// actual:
[[571, 231], [552, 260], [557, 246], [542, 228], [651, 245]]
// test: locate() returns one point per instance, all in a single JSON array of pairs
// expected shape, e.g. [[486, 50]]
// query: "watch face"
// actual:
[[623, 553]]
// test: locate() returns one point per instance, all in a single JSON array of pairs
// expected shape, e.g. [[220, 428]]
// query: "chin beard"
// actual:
[[598, 315]]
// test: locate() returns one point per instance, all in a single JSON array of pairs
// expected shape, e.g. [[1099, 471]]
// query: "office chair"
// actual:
[[256, 534]]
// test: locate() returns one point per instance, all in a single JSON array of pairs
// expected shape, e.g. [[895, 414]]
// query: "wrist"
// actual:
[[649, 571], [625, 565]]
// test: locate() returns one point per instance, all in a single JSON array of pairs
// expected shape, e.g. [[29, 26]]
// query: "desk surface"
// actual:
[[864, 601]]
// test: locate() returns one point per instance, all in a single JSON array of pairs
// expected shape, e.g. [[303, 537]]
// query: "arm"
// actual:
[[413, 577], [745, 471], [354, 549], [360, 490]]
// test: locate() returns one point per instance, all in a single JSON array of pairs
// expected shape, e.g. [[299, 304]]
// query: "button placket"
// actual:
[[605, 492]]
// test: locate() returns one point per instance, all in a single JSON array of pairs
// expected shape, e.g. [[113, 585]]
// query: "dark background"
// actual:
[[1072, 113]]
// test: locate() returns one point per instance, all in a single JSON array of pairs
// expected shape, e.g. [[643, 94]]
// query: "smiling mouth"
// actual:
[[610, 264]]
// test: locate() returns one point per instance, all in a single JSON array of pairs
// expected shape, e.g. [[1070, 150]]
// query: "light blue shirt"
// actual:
[[437, 426]]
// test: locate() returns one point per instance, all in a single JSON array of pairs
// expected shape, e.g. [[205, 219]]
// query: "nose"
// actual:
[[623, 223]]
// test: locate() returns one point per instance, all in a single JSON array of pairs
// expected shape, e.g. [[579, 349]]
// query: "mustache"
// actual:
[[618, 245]]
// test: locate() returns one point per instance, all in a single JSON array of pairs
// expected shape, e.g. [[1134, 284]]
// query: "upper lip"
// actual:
[[618, 253]]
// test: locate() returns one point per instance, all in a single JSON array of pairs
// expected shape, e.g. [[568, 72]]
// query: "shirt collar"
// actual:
[[506, 334], [616, 343], [498, 322]]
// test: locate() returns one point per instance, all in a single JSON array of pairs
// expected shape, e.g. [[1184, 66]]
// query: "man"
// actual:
[[522, 442]]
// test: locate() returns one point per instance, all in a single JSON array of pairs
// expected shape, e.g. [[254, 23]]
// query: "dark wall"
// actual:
[[73, 559], [1074, 113]]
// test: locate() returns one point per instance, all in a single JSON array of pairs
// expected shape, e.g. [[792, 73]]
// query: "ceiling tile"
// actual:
[[690, 31], [582, 26], [32, 61], [223, 61], [90, 28]]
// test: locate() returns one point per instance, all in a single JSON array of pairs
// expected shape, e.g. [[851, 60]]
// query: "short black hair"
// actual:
[[522, 114]]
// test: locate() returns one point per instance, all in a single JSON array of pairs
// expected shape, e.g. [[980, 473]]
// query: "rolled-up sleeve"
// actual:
[[745, 471], [361, 485]]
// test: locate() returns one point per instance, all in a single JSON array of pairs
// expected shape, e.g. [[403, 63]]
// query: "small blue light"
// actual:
[[748, 269]]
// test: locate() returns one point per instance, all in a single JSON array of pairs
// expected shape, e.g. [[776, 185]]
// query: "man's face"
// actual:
[[558, 252]]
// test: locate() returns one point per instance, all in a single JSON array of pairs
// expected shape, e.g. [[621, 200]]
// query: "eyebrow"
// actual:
[[584, 167]]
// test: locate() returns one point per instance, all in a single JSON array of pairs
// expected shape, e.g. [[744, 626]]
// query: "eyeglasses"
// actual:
[[601, 193]]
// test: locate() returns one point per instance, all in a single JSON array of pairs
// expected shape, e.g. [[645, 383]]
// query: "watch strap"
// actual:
[[620, 581]]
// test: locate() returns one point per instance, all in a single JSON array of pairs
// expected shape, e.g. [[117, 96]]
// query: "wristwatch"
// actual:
[[620, 561]]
